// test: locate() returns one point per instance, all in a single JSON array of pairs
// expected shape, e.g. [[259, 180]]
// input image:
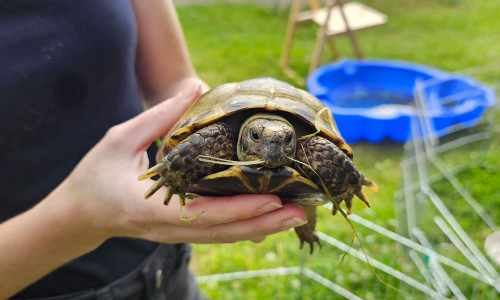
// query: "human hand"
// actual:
[[104, 195]]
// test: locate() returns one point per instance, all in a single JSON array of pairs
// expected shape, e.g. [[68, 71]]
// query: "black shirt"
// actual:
[[66, 76]]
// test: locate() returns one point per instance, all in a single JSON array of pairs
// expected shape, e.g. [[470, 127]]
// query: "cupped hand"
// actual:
[[107, 197]]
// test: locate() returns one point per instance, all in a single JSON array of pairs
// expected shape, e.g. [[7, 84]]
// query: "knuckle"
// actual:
[[266, 228], [115, 134], [213, 235], [153, 236], [217, 236], [262, 230]]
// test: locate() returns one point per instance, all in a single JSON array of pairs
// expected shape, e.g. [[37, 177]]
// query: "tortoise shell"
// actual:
[[260, 94]]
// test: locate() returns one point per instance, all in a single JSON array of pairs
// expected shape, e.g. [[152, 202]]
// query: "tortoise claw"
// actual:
[[313, 238], [348, 204], [370, 184], [359, 193], [155, 170], [155, 187], [169, 194]]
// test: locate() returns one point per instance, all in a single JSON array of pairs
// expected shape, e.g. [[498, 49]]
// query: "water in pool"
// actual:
[[370, 100]]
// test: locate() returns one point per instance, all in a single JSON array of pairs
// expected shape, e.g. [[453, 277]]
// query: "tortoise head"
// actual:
[[266, 137]]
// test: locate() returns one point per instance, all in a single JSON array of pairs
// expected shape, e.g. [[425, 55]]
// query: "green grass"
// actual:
[[230, 42]]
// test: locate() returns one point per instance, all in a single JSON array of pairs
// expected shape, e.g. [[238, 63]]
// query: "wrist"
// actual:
[[70, 220], [49, 234]]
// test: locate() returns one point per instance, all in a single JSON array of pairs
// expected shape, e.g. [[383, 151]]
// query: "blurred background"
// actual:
[[438, 195]]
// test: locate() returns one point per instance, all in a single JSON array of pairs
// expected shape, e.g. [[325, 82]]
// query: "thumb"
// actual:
[[157, 121]]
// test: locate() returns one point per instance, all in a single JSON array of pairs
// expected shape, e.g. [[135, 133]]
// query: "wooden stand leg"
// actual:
[[350, 33], [318, 51], [289, 34], [333, 49]]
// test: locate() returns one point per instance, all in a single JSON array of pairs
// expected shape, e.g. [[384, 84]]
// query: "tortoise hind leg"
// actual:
[[181, 168], [307, 232]]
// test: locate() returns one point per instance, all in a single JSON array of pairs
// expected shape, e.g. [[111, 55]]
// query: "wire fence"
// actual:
[[437, 250]]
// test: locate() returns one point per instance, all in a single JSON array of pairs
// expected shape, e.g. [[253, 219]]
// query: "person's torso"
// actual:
[[66, 76]]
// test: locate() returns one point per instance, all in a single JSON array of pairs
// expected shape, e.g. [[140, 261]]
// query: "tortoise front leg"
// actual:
[[329, 167], [307, 232], [181, 167]]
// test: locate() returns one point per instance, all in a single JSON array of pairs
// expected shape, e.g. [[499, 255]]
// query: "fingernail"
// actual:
[[294, 222], [270, 207]]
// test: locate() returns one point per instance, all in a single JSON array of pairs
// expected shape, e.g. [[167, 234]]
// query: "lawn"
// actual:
[[233, 42]]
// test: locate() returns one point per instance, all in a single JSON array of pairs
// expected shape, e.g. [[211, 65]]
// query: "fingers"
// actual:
[[155, 122], [255, 228], [259, 239], [217, 210], [225, 219], [220, 210]]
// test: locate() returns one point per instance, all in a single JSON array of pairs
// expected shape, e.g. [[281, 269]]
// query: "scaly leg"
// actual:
[[181, 167], [307, 232], [331, 168]]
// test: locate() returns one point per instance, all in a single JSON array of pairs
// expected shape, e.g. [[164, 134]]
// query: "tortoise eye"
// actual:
[[288, 139], [255, 136]]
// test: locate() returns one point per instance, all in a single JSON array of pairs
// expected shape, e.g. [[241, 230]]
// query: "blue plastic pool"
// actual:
[[373, 99]]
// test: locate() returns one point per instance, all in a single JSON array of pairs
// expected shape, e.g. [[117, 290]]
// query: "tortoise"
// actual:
[[297, 152]]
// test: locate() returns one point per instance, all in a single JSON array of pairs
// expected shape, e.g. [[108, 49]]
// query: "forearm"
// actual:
[[38, 241], [163, 64], [88, 207]]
